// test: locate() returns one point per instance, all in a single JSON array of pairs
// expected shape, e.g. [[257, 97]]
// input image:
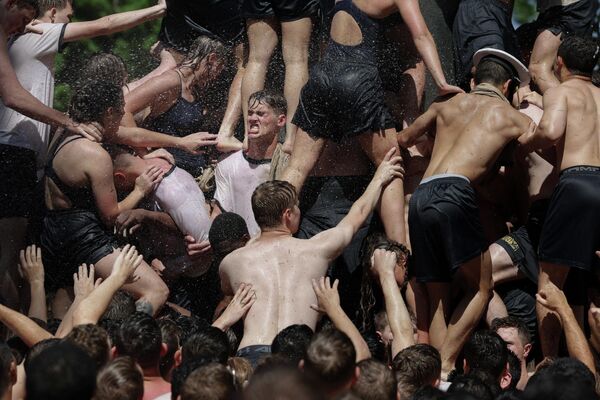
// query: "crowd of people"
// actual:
[[400, 201]]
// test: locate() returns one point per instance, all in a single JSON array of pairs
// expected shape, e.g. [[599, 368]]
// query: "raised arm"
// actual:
[[113, 23], [425, 123], [31, 269], [24, 327], [333, 241], [553, 124], [139, 137], [329, 303], [384, 263], [411, 14], [153, 97]]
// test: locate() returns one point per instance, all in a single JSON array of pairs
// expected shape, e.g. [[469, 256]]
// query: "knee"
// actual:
[[158, 296]]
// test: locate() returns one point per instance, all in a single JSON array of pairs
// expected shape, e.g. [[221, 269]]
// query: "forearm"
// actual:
[[37, 308], [66, 325], [577, 344], [365, 205], [127, 20], [398, 316], [129, 203], [25, 328], [428, 51], [139, 137], [22, 101], [92, 307], [161, 219], [342, 322]]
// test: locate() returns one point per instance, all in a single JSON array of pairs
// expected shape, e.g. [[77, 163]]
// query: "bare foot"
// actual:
[[226, 144]]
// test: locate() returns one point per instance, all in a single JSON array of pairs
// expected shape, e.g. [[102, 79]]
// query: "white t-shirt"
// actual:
[[32, 57], [236, 177]]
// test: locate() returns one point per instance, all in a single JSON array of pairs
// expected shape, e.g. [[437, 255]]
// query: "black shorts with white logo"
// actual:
[[578, 18]]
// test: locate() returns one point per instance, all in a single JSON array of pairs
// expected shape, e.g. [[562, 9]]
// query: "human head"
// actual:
[[61, 372], [19, 14], [206, 57], [121, 306], [266, 116], [281, 382], [37, 349], [181, 373], [120, 379], [139, 337], [170, 337], [382, 327], [98, 101], [375, 381], [516, 335], [56, 11], [227, 233], [491, 71], [564, 379], [472, 385], [241, 369], [485, 351], [330, 359], [416, 366], [127, 166], [577, 56], [512, 375], [106, 67], [292, 342], [93, 340], [275, 205], [209, 344], [8, 369], [209, 382]]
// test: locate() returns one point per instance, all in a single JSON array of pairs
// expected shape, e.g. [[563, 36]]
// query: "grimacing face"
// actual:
[[263, 122]]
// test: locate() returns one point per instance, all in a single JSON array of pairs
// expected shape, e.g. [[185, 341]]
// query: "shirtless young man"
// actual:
[[471, 130], [571, 121], [280, 267]]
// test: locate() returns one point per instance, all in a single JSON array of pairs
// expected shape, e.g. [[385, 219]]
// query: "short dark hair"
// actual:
[[209, 382], [139, 336], [46, 5], [37, 349], [6, 359], [227, 233], [375, 382], [513, 322], [181, 373], [564, 379], [281, 382], [121, 306], [514, 367], [273, 99], [472, 385], [330, 358], [579, 54], [489, 70], [92, 99], [120, 379], [170, 333], [33, 4], [416, 366], [270, 200], [292, 342], [486, 351], [210, 344], [93, 340], [429, 393], [61, 372]]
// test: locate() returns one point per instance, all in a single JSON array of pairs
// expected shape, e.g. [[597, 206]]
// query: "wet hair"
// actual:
[[199, 50], [209, 382], [6, 359], [139, 336], [32, 4], [190, 326], [46, 5], [210, 344], [181, 373], [120, 379], [491, 70], [92, 99], [292, 342], [510, 394], [170, 333], [379, 351], [37, 349], [61, 372], [330, 359], [227, 233], [486, 351], [579, 54], [565, 379], [106, 67], [241, 369], [512, 322], [375, 382], [416, 366], [93, 340], [121, 306], [514, 367], [572, 370], [472, 385], [281, 382], [272, 99], [376, 240], [270, 200], [428, 393]]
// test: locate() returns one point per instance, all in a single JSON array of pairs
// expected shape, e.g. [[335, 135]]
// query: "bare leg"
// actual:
[[262, 38], [416, 299], [307, 150], [438, 295], [391, 207], [149, 290], [495, 309], [226, 141], [477, 274], [61, 304], [295, 44], [549, 324], [12, 239], [542, 61], [503, 268]]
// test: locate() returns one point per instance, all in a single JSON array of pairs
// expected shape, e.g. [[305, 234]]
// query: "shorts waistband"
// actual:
[[254, 349], [444, 176], [579, 169]]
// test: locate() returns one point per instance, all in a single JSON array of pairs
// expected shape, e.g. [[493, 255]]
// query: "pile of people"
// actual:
[[388, 214]]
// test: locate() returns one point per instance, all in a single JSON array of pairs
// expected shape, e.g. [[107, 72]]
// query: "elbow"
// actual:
[[10, 99]]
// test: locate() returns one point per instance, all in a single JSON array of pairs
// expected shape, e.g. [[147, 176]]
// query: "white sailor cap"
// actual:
[[507, 60]]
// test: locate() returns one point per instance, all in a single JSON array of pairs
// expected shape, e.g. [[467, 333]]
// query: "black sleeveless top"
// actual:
[[80, 197]]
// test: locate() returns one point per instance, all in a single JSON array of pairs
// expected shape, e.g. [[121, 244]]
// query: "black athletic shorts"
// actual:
[[577, 18], [284, 10], [571, 232], [480, 24], [70, 238], [445, 227], [521, 251], [341, 100], [187, 20], [17, 181]]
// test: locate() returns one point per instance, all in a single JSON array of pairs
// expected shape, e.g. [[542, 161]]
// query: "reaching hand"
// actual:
[[242, 301], [447, 89], [327, 295], [33, 27], [126, 264], [534, 98], [149, 180], [390, 168], [30, 265], [196, 249], [193, 143], [129, 221], [552, 297], [92, 131], [83, 281], [160, 153]]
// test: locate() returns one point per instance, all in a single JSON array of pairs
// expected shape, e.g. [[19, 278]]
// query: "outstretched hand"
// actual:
[[390, 168], [83, 281], [126, 264], [195, 142], [447, 89], [92, 131], [552, 297], [196, 249], [237, 308], [160, 153], [30, 265], [147, 182], [328, 297]]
